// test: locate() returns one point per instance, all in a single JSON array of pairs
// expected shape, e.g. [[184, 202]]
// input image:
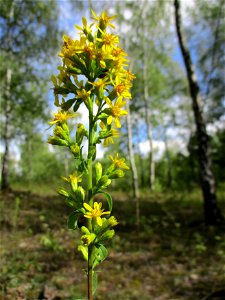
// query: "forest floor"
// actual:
[[174, 256]]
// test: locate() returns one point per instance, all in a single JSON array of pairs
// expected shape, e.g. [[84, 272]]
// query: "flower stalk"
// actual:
[[94, 71]]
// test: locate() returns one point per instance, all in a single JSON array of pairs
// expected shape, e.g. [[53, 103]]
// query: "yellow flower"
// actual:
[[83, 94], [109, 134], [61, 117], [122, 87], [116, 111], [68, 46], [87, 239], [103, 54], [104, 20], [74, 179], [95, 213], [108, 39], [118, 163], [119, 59], [129, 75], [100, 85], [85, 29]]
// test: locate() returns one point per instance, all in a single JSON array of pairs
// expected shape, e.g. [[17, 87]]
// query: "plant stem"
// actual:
[[90, 201], [90, 274]]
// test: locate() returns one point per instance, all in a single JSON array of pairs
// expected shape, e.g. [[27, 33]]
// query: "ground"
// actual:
[[173, 255]]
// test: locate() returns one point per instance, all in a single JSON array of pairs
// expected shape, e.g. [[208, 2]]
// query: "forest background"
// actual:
[[175, 151]]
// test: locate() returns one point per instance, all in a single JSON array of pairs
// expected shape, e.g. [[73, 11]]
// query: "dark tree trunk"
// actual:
[[7, 107], [212, 212], [5, 160]]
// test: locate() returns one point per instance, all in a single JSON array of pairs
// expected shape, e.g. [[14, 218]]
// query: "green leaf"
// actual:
[[54, 80], [73, 70], [95, 282], [84, 251], [100, 254], [76, 105], [108, 198], [68, 104], [73, 220]]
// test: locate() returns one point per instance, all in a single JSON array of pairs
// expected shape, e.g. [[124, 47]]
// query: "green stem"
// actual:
[[90, 200], [90, 274]]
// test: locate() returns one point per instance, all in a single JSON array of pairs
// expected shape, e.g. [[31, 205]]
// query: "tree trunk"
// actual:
[[133, 167], [140, 160], [212, 212], [147, 114], [5, 160], [7, 98], [169, 162]]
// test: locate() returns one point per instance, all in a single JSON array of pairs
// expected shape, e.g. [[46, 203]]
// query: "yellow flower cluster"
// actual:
[[97, 56]]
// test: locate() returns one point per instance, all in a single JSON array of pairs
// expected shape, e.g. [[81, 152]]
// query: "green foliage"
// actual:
[[208, 47], [36, 157], [29, 32]]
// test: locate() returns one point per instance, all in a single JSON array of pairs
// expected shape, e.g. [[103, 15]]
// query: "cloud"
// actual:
[[158, 148]]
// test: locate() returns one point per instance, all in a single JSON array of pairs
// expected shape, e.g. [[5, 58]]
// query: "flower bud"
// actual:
[[112, 221], [66, 129], [81, 132], [87, 239], [85, 230], [116, 174], [75, 149], [98, 169], [61, 191], [80, 194], [84, 251], [73, 70], [108, 182], [53, 140], [107, 235], [103, 181], [59, 132]]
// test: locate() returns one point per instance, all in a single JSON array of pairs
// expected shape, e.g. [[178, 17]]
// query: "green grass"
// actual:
[[174, 256]]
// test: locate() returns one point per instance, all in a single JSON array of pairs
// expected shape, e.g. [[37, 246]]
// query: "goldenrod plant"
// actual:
[[94, 71]]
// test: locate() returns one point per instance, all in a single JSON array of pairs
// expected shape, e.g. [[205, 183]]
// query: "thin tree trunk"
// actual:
[[169, 162], [133, 167], [5, 185], [141, 163], [212, 212], [5, 160], [147, 113]]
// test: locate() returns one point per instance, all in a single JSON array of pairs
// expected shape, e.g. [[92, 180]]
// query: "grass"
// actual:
[[173, 257]]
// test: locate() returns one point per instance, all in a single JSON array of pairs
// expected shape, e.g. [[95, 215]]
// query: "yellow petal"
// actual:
[[88, 216], [123, 112], [109, 120], [102, 64], [99, 221], [88, 207], [117, 123]]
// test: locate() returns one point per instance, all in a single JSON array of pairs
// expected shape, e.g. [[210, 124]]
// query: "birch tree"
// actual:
[[212, 212], [29, 31]]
